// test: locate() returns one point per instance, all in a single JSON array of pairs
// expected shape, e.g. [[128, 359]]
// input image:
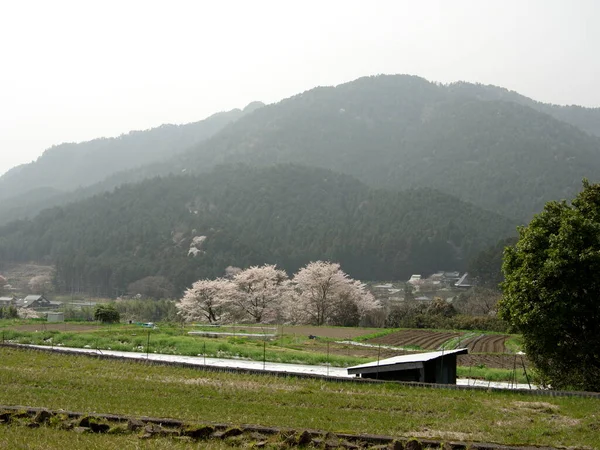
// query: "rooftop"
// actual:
[[407, 359]]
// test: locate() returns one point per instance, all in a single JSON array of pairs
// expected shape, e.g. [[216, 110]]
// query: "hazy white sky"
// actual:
[[76, 70]]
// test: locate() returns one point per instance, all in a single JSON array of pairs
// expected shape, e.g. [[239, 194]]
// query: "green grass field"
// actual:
[[86, 384], [293, 346]]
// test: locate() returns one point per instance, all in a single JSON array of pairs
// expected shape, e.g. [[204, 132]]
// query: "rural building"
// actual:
[[464, 281], [415, 280], [55, 317], [33, 301], [7, 301], [432, 367]]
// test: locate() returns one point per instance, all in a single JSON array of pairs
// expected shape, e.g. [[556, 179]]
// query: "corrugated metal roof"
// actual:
[[414, 358]]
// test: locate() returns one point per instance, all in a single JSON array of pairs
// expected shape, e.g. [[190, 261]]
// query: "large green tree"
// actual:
[[552, 291], [107, 314]]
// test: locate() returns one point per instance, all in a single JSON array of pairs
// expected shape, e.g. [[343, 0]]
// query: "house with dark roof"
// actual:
[[33, 301], [433, 367]]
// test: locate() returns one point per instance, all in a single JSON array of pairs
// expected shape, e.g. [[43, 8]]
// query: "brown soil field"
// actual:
[[350, 350], [432, 340], [487, 343], [425, 339]]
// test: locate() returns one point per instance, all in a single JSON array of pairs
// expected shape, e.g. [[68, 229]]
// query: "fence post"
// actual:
[[148, 345], [328, 362]]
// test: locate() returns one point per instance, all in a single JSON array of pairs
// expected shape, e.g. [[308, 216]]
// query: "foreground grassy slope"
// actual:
[[52, 439], [84, 384]]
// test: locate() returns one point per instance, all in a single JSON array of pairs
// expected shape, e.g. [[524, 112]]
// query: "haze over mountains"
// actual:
[[66, 168], [500, 152]]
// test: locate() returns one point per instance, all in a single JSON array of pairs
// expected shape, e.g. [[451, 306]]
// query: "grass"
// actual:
[[492, 374], [86, 384], [175, 341], [382, 333], [514, 344], [45, 438]]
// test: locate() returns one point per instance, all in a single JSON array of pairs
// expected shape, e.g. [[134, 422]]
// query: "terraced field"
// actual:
[[433, 340]]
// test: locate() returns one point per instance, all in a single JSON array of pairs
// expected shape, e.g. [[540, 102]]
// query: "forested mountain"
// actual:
[[404, 132], [495, 148], [586, 119], [63, 168], [189, 227]]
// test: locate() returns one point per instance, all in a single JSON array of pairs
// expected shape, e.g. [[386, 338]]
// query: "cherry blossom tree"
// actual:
[[260, 292], [326, 295], [40, 284], [206, 300], [231, 271], [26, 313]]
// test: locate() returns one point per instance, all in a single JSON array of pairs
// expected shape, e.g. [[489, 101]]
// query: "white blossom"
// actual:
[[325, 291], [206, 301]]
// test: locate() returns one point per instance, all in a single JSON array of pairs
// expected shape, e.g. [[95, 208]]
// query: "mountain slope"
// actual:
[[65, 167], [403, 132], [586, 119], [287, 215]]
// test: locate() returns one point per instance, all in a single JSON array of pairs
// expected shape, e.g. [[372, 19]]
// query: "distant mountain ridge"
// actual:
[[483, 144], [65, 167], [404, 132], [586, 119]]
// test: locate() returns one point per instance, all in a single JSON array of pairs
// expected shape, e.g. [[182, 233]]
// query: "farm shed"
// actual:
[[432, 367], [55, 317]]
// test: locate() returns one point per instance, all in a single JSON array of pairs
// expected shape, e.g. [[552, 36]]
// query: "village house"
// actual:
[[33, 301]]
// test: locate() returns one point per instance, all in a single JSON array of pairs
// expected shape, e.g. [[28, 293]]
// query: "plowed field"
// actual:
[[432, 340], [425, 339], [487, 343]]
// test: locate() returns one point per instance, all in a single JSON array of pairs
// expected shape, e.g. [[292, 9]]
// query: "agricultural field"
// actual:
[[435, 340], [337, 346], [90, 385]]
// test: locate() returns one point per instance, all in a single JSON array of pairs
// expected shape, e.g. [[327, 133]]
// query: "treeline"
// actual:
[[284, 215]]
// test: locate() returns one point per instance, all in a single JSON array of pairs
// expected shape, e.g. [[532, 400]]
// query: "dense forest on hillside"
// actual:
[[586, 119], [403, 132], [52, 178], [287, 215]]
